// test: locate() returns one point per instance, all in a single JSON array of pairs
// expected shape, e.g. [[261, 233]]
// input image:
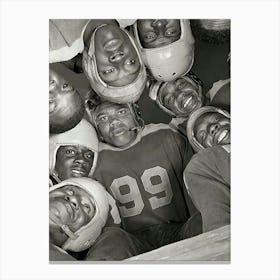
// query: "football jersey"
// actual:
[[146, 178], [207, 178]]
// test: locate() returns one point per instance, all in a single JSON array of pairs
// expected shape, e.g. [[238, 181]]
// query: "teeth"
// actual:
[[222, 135], [77, 171], [187, 102]]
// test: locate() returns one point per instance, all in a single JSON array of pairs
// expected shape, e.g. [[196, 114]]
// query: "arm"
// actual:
[[209, 187]]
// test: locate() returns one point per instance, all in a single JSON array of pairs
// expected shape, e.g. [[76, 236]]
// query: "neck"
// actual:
[[57, 236]]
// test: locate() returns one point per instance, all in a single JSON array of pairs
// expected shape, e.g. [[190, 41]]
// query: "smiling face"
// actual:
[[212, 129], [73, 161], [116, 58], [71, 206], [180, 96], [155, 33], [65, 104], [114, 122]]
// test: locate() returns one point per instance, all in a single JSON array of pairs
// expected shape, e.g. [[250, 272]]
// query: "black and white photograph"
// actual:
[[157, 156], [139, 119]]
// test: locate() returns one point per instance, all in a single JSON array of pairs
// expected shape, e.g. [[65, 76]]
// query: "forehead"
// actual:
[[53, 75], [109, 107], [209, 117], [145, 23], [75, 147], [169, 87]]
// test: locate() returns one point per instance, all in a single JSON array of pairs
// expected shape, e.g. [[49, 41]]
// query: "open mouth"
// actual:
[[189, 103], [222, 136], [79, 172]]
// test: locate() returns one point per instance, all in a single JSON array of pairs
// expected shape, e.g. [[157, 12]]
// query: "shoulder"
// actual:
[[150, 131], [159, 127], [209, 157]]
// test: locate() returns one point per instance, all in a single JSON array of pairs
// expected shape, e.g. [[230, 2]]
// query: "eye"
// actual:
[[70, 192], [169, 99], [102, 118], [201, 135], [131, 62], [86, 208], [52, 82], [122, 111], [70, 152], [108, 71], [181, 85], [89, 155], [171, 32]]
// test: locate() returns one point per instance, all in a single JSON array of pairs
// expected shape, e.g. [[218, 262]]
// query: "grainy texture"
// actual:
[[210, 246]]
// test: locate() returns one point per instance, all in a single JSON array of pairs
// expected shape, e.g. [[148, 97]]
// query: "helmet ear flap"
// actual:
[[135, 110]]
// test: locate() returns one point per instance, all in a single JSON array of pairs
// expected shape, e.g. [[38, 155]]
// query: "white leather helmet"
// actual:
[[156, 86], [84, 237], [218, 86], [191, 122], [82, 134], [123, 94], [168, 62]]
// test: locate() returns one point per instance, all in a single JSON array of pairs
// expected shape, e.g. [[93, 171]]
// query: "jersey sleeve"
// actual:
[[206, 179], [113, 216], [185, 153]]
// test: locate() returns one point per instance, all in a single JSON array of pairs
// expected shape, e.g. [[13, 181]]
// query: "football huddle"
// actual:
[[139, 134]]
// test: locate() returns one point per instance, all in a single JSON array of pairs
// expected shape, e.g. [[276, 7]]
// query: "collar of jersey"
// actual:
[[148, 129]]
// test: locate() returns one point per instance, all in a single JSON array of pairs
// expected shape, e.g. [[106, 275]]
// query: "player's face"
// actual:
[[180, 96], [114, 122], [156, 33], [117, 60], [73, 161], [72, 206], [64, 100], [212, 129]]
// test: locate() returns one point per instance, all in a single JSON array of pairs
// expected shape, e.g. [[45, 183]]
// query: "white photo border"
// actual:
[[255, 138]]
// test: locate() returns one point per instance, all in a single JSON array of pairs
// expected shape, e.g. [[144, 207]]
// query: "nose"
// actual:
[[159, 24], [73, 200], [213, 128], [114, 122], [116, 57], [80, 159]]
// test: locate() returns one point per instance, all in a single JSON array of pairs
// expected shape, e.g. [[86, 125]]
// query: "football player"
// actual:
[[178, 98], [113, 64], [66, 108], [166, 45], [207, 127], [73, 153], [207, 176], [142, 167], [78, 211], [213, 31]]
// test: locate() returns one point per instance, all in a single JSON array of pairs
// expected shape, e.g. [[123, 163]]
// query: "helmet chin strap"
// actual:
[[137, 128], [64, 227]]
